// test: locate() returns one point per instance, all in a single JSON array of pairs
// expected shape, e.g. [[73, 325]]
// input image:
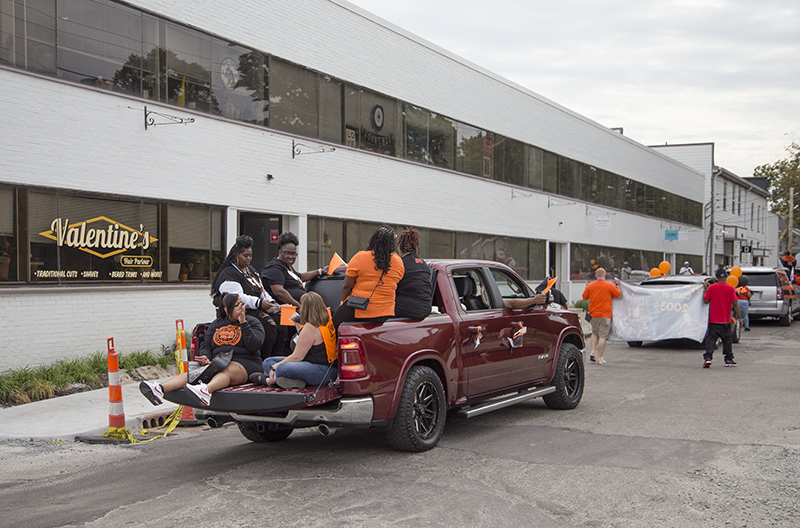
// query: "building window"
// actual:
[[469, 150], [724, 196], [77, 238], [739, 203], [195, 241], [293, 96], [85, 238], [327, 236], [9, 251]]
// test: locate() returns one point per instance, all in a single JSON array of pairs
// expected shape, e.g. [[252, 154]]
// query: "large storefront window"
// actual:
[[81, 238], [327, 236], [8, 236], [75, 238], [194, 235], [586, 258]]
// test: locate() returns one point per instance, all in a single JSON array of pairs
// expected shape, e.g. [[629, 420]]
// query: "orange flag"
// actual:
[[336, 261], [550, 284], [287, 311]]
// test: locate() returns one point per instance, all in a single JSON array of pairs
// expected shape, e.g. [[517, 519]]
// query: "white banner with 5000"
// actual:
[[656, 313]]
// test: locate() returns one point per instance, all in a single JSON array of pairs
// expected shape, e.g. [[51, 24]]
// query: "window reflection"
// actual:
[[293, 95], [469, 150], [416, 123], [9, 255]]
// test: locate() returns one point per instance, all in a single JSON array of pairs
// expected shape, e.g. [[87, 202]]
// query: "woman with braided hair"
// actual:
[[413, 296], [372, 274], [237, 276]]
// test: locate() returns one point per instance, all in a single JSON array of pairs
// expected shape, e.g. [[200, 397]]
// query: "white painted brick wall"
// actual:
[[42, 326]]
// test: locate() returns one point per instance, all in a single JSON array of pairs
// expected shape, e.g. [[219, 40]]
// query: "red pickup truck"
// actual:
[[471, 355]]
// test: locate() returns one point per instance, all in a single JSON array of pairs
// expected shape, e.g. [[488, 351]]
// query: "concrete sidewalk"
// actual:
[[81, 414]]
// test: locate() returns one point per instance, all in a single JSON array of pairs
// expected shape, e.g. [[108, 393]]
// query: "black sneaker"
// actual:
[[259, 378], [707, 363], [290, 383], [730, 363]]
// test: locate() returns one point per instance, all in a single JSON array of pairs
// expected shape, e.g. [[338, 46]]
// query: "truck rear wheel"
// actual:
[[263, 432], [420, 417], [568, 379]]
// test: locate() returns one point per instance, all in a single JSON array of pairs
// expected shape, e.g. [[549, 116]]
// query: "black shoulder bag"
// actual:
[[361, 303]]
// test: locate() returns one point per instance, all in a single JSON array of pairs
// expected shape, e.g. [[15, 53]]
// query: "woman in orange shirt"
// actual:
[[372, 274]]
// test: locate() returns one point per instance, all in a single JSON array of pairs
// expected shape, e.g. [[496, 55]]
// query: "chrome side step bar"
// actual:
[[506, 401]]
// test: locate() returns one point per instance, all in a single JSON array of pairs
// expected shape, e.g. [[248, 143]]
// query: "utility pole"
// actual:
[[791, 219]]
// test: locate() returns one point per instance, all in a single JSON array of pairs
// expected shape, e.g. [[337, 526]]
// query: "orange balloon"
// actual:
[[736, 271], [655, 272], [733, 280], [664, 267], [592, 261]]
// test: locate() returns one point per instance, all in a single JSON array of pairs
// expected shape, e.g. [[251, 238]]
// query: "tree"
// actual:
[[782, 176]]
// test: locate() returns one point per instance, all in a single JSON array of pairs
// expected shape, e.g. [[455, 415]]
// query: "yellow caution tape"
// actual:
[[122, 433]]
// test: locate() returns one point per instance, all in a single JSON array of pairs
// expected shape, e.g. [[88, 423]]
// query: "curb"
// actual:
[[147, 420]]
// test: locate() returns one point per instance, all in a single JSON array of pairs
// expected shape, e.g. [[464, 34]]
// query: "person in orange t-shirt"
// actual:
[[372, 274], [599, 294]]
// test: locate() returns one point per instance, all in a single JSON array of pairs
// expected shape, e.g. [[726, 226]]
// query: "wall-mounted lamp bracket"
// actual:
[[299, 149], [150, 119]]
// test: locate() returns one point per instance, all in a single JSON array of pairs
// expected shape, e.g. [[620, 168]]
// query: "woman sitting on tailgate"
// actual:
[[313, 360], [234, 331]]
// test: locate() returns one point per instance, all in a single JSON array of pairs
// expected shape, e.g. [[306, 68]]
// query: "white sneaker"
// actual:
[[152, 391], [199, 393]]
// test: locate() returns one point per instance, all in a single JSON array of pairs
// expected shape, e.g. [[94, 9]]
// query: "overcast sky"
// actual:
[[669, 71]]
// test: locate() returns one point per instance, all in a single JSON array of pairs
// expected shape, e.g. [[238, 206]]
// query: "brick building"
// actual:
[[140, 138]]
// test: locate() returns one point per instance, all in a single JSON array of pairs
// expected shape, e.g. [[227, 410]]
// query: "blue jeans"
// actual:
[[744, 306], [311, 373]]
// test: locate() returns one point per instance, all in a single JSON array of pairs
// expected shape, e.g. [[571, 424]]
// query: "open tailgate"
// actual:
[[255, 399]]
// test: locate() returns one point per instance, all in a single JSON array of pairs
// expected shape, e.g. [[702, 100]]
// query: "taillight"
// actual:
[[780, 293], [352, 360]]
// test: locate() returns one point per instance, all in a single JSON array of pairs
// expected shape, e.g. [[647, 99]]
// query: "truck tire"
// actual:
[[568, 379], [785, 320], [268, 433], [420, 417]]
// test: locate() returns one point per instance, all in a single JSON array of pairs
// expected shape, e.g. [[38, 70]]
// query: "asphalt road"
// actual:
[[656, 441]]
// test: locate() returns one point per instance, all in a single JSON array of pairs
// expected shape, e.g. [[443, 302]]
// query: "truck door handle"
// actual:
[[474, 329]]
